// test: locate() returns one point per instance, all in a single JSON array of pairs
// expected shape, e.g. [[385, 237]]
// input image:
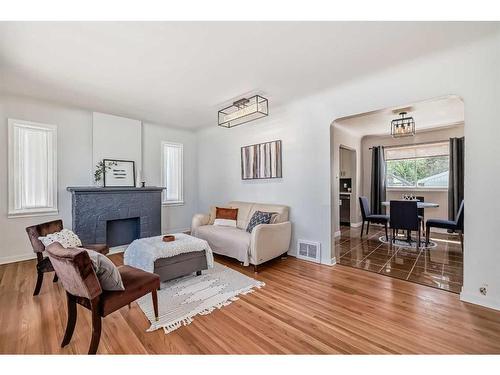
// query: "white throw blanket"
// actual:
[[143, 253]]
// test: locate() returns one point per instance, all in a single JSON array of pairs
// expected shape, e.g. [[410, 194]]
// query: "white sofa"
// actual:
[[267, 241]]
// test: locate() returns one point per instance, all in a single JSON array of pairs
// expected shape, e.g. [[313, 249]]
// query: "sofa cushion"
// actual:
[[281, 211], [232, 242], [244, 209]]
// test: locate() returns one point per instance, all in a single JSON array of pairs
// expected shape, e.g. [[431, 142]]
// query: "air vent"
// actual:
[[309, 250]]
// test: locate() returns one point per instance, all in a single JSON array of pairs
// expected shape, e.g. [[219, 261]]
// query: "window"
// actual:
[[171, 172], [422, 166], [32, 168]]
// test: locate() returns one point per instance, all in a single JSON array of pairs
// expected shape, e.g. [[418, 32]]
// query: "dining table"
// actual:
[[419, 205]]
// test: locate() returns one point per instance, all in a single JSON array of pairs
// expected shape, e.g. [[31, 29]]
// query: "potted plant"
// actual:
[[101, 167]]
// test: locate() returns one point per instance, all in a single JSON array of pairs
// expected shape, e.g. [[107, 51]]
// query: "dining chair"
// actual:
[[368, 217], [404, 216], [77, 275], [43, 264], [456, 225]]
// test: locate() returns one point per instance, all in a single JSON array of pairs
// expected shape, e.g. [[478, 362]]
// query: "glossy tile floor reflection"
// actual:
[[439, 267]]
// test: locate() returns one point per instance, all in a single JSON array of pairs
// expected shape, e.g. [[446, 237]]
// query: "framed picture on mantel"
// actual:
[[119, 173]]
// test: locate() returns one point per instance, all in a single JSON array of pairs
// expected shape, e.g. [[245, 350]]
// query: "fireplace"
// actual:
[[115, 216], [122, 231]]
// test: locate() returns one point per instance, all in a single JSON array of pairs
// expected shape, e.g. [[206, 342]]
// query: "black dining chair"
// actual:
[[404, 216], [368, 217], [456, 225]]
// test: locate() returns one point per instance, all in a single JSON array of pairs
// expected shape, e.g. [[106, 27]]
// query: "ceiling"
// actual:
[[180, 73], [429, 114]]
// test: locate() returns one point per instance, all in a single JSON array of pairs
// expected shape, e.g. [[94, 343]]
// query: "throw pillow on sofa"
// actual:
[[259, 217], [226, 213], [65, 237], [225, 217]]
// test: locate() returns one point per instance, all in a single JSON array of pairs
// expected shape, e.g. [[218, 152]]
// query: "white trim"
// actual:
[[13, 183], [423, 189], [180, 201], [332, 262], [337, 234], [173, 203], [117, 249], [480, 300], [17, 258], [176, 230], [356, 225], [40, 212]]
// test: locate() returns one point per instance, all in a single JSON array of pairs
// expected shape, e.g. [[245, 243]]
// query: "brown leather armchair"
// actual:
[[74, 268], [43, 263]]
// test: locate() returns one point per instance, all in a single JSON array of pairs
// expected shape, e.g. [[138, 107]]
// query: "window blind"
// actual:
[[172, 172], [417, 151], [32, 168]]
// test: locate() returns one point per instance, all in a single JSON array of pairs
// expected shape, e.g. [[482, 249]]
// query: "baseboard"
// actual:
[[480, 300], [332, 262], [356, 225], [178, 230], [117, 249], [17, 258]]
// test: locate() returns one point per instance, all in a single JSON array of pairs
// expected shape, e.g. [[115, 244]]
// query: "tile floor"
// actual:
[[439, 267]]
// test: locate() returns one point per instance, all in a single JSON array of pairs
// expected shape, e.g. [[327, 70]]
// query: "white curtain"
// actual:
[[172, 157], [33, 168]]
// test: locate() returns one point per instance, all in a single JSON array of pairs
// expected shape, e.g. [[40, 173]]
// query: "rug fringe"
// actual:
[[186, 320]]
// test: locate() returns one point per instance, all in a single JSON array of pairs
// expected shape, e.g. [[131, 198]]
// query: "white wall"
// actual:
[[175, 218], [303, 184], [115, 137], [470, 71], [75, 167], [74, 160]]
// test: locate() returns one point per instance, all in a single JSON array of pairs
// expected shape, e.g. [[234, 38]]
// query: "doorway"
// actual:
[[416, 167]]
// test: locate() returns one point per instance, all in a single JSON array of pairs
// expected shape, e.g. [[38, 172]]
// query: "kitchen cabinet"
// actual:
[[345, 163]]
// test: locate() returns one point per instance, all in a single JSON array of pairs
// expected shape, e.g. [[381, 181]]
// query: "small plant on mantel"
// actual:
[[100, 168]]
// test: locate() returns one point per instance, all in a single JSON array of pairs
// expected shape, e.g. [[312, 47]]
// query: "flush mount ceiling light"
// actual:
[[403, 127], [243, 110]]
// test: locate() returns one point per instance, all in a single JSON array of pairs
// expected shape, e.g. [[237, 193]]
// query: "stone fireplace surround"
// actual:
[[93, 207]]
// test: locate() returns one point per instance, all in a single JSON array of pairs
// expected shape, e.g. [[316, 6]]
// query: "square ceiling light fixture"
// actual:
[[243, 110], [403, 127]]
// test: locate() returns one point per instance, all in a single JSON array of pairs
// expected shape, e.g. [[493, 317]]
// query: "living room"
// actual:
[[225, 163]]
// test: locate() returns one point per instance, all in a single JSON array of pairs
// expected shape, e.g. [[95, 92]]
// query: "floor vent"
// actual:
[[309, 250]]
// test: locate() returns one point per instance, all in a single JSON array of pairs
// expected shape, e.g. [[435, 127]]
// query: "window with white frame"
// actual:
[[32, 168], [172, 172], [423, 166]]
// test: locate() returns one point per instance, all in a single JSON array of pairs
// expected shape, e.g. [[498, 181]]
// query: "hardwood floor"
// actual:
[[304, 308]]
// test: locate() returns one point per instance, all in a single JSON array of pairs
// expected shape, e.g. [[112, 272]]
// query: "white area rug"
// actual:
[[181, 299]]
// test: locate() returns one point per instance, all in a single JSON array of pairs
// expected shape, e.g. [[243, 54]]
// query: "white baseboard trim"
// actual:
[[17, 258], [332, 262], [356, 225], [177, 230], [117, 249], [480, 300], [337, 234]]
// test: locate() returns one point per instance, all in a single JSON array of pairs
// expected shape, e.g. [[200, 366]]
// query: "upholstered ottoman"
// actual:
[[170, 260]]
